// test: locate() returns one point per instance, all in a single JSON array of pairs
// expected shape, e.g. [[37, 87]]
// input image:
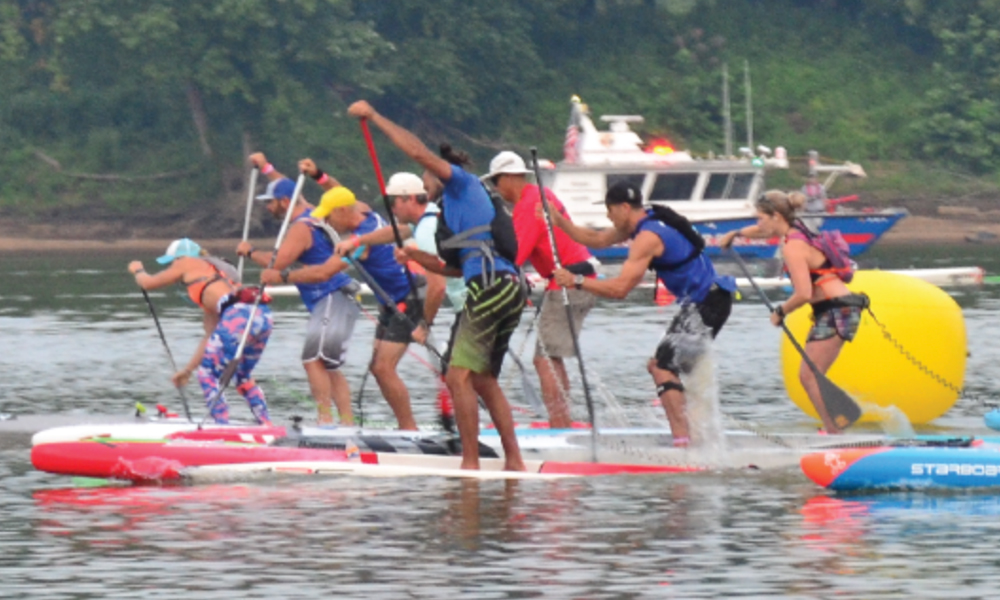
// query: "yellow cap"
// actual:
[[334, 198]]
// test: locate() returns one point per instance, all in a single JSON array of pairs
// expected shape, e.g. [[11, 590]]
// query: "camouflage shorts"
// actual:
[[831, 319]]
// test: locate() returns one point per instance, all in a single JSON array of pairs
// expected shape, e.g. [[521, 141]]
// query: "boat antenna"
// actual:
[[727, 117], [746, 80]]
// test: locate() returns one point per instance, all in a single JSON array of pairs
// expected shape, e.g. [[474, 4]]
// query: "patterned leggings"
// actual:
[[221, 348]]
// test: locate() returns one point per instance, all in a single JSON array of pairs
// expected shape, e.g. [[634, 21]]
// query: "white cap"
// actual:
[[405, 184], [506, 163]]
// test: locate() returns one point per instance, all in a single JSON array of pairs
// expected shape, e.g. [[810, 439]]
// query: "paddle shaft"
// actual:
[[230, 370], [251, 192], [385, 201], [388, 302], [546, 210], [170, 355], [833, 397]]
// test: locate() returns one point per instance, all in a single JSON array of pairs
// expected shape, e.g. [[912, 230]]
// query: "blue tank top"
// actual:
[[690, 280], [466, 205], [381, 263], [318, 253]]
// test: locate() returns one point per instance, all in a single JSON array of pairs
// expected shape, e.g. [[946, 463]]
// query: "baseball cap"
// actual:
[[333, 198], [405, 184], [277, 190], [179, 248], [623, 192], [506, 163]]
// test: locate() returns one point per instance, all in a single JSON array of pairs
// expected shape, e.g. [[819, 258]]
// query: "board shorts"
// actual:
[[331, 324], [837, 316], [220, 350], [488, 319], [554, 337], [685, 339]]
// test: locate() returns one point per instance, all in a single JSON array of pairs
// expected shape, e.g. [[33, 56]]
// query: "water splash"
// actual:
[[890, 419]]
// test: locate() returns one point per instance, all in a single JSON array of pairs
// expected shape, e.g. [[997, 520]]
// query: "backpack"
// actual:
[[833, 246], [501, 228], [679, 223]]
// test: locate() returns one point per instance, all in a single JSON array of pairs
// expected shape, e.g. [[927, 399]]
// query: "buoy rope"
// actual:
[[913, 359]]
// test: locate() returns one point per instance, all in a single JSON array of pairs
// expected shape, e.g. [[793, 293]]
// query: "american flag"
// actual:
[[570, 146]]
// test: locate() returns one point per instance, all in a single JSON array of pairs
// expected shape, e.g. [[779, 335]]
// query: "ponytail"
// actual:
[[454, 157]]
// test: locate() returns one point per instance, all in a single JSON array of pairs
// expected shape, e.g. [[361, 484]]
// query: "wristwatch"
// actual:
[[284, 274], [780, 311], [578, 282]]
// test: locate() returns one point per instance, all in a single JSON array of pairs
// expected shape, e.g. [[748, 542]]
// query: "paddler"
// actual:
[[417, 214], [331, 303], [705, 298], [495, 298], [836, 310], [211, 285], [400, 322], [554, 343]]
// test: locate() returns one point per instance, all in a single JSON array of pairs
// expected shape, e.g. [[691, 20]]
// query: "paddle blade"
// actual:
[[842, 408], [446, 411]]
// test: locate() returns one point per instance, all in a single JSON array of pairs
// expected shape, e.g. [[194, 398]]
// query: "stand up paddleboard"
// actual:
[[942, 463]]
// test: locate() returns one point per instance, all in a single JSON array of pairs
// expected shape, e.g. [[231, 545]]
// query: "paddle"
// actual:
[[546, 209], [170, 355], [252, 191], [387, 300], [446, 419], [230, 370], [842, 408], [385, 201]]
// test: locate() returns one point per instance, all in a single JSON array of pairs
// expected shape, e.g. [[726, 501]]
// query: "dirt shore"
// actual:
[[96, 238]]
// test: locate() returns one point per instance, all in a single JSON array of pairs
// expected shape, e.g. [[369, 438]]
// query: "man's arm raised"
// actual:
[[403, 139], [259, 160], [325, 180]]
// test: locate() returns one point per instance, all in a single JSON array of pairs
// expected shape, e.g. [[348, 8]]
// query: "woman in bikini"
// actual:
[[815, 281], [211, 285]]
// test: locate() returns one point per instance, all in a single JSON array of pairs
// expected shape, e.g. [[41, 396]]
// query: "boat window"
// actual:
[[674, 186], [729, 186], [635, 179]]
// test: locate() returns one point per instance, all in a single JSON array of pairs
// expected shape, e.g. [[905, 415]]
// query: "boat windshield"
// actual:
[[674, 186], [729, 186], [636, 179]]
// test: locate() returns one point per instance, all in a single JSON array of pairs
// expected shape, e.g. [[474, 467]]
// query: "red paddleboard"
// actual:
[[159, 461]]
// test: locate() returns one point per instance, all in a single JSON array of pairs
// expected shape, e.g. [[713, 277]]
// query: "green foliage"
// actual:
[[133, 89]]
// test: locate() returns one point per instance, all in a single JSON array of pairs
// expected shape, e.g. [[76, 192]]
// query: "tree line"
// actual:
[[119, 106]]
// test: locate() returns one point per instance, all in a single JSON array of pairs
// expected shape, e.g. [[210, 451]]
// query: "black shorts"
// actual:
[[683, 342], [393, 326]]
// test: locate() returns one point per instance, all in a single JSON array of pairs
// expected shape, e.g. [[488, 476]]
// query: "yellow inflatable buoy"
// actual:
[[925, 321]]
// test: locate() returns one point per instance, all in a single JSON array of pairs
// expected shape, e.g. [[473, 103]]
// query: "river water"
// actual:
[[76, 340]]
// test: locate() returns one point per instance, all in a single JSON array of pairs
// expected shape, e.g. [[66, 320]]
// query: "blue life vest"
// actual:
[[684, 270], [381, 262], [318, 253]]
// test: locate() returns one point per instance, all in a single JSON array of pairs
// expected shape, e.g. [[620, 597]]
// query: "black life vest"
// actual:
[[501, 230]]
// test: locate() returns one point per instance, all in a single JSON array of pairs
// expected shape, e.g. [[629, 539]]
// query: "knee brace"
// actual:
[[667, 386]]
